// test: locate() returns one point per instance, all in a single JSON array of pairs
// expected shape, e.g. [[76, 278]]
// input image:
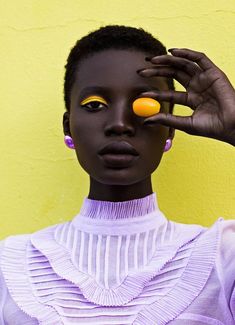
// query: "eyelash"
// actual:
[[92, 100]]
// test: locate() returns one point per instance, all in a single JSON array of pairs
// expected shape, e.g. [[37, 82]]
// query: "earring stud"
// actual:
[[168, 145], [69, 142]]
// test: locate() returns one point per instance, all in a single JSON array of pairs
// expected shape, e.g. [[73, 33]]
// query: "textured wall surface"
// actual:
[[41, 180]]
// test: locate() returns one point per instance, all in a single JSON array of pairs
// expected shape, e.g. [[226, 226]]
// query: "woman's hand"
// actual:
[[209, 94]]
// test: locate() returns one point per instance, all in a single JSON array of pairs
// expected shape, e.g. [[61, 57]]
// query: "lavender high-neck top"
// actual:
[[120, 263]]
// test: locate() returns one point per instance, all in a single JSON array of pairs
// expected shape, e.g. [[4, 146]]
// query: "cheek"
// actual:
[[154, 156], [78, 126], [155, 144], [86, 155], [151, 146], [83, 127], [86, 137], [156, 137]]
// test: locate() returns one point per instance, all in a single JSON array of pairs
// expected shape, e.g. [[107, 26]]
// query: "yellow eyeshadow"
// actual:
[[93, 99]]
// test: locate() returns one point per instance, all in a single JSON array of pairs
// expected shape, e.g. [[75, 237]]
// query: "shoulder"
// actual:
[[17, 241], [227, 229], [227, 242], [221, 235], [15, 249], [16, 245], [1, 245], [2, 282], [12, 247]]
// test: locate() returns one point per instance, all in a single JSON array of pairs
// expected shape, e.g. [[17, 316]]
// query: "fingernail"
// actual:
[[172, 49], [149, 122], [138, 71]]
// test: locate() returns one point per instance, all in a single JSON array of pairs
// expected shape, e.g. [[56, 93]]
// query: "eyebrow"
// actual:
[[104, 90]]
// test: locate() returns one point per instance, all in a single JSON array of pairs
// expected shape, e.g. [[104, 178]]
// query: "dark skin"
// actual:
[[116, 78], [209, 94]]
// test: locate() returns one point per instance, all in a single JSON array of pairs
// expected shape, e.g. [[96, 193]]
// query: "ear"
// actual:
[[171, 133], [171, 130], [66, 124]]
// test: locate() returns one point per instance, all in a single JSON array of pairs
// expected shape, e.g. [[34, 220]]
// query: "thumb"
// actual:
[[183, 123]]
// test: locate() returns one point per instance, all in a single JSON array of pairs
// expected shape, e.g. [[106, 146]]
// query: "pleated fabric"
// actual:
[[114, 263]]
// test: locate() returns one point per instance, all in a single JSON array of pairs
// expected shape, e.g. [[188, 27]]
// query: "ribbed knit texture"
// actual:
[[114, 263]]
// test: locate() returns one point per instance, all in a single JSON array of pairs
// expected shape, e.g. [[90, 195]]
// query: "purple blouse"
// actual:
[[120, 263]]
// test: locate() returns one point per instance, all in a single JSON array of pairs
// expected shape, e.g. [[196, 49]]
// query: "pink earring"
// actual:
[[168, 145], [68, 141]]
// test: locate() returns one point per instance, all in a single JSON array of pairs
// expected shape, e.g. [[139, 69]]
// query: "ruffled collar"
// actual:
[[60, 252], [119, 218], [108, 210]]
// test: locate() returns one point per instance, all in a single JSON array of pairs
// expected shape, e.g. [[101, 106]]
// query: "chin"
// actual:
[[120, 177]]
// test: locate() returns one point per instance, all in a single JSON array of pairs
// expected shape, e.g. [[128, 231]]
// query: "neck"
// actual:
[[118, 193]]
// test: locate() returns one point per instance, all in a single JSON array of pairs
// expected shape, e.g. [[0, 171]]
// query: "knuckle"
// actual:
[[217, 73], [222, 74]]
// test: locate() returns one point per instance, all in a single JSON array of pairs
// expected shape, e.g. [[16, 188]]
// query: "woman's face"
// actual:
[[111, 77]]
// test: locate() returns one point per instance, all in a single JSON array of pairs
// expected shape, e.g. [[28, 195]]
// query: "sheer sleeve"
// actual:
[[3, 290]]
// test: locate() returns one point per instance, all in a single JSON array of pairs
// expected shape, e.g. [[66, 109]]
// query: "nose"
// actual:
[[120, 121]]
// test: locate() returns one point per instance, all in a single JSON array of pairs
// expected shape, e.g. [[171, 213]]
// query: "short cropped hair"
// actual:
[[110, 37]]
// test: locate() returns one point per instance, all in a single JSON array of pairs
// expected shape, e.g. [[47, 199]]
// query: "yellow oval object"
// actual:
[[146, 106]]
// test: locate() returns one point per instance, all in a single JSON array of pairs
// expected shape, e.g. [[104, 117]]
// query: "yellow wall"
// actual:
[[41, 181]]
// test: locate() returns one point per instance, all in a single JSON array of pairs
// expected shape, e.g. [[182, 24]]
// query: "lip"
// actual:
[[118, 154], [114, 160], [119, 148]]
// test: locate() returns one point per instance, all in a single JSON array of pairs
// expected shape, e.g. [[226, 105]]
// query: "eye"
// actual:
[[94, 102]]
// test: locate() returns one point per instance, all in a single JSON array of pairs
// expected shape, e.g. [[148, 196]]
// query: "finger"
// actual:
[[167, 72], [200, 58], [180, 63], [183, 123], [175, 97]]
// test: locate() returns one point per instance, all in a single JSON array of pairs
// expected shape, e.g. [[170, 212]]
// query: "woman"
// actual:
[[120, 260]]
